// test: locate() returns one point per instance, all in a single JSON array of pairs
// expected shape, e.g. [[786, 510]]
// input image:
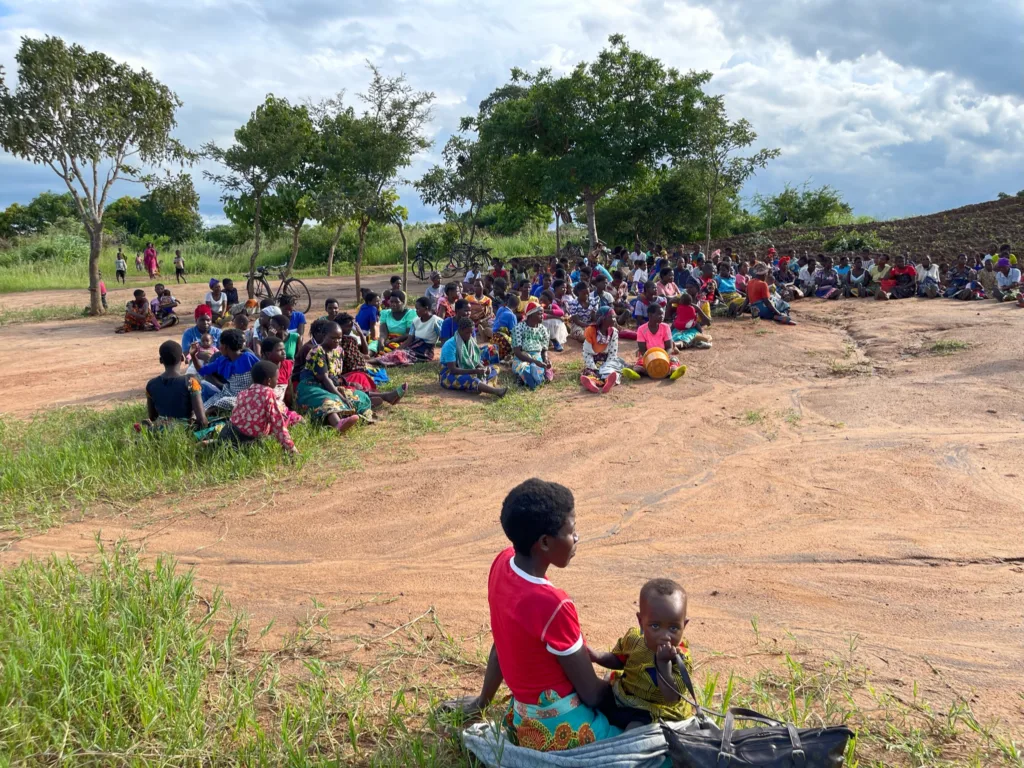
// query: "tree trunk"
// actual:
[[405, 255], [295, 248], [95, 246], [558, 230], [707, 239], [251, 284], [330, 253], [590, 201], [363, 224], [472, 226]]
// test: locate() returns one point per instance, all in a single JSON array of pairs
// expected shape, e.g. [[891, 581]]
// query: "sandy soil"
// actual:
[[834, 479]]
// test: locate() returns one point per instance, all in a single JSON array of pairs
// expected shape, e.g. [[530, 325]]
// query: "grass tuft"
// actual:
[[945, 347], [41, 314]]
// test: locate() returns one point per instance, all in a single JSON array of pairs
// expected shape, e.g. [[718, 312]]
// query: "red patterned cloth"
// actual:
[[257, 413]]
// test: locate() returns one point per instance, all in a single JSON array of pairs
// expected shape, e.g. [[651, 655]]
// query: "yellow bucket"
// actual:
[[656, 363]]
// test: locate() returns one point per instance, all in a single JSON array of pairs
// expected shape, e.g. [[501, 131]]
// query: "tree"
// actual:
[[466, 179], [295, 205], [124, 214], [333, 158], [803, 206], [593, 130], [382, 142], [171, 209], [91, 120], [399, 216], [271, 145], [717, 168]]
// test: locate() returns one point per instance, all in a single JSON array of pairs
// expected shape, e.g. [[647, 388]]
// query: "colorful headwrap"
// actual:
[[771, 251], [1003, 263], [213, 282], [531, 308], [203, 309], [271, 311]]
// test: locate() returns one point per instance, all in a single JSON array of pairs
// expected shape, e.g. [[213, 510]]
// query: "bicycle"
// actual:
[[421, 265], [259, 287]]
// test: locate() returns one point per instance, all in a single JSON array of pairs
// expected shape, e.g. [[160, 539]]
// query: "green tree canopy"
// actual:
[[271, 145], [582, 135], [92, 121], [803, 206]]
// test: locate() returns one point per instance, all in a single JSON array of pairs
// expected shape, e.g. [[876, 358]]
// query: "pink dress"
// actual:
[[149, 259]]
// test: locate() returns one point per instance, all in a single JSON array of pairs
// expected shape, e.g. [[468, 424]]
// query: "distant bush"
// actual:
[[855, 241]]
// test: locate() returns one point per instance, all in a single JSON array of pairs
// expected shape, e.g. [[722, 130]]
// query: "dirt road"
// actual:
[[844, 477]]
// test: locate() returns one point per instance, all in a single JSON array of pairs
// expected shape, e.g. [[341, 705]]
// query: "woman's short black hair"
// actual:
[[280, 321], [269, 345], [465, 322], [665, 272], [286, 300], [170, 353], [535, 508], [368, 297], [329, 302], [319, 327], [264, 372], [423, 302], [233, 339]]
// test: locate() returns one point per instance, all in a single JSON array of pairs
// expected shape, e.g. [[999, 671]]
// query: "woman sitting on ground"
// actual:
[[423, 335], [962, 282], [530, 348], [480, 309], [173, 398], [654, 334], [602, 366], [731, 299], [230, 371], [321, 394], [504, 324], [539, 650], [138, 315], [462, 365], [356, 372], [554, 320], [217, 301], [826, 280], [858, 281], [395, 324]]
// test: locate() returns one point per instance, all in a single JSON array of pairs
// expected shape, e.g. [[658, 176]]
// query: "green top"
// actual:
[[397, 325]]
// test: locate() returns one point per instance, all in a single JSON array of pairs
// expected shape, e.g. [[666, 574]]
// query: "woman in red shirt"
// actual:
[[538, 648], [687, 324]]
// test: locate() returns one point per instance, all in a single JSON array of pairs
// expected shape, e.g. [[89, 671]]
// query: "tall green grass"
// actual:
[[118, 665], [58, 259]]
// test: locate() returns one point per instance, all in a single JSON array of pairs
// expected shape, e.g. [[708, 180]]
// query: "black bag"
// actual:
[[773, 745]]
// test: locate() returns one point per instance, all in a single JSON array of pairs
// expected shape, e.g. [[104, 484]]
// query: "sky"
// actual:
[[906, 108]]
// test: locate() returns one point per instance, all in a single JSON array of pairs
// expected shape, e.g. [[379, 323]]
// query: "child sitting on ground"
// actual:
[[257, 412], [646, 686]]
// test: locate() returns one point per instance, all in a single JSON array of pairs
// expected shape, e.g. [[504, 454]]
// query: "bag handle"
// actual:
[[740, 713], [699, 711]]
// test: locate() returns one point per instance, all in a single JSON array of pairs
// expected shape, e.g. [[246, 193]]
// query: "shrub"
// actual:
[[843, 242]]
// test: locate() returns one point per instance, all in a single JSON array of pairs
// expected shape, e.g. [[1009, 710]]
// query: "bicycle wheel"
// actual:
[[295, 287], [450, 267], [259, 288], [422, 267]]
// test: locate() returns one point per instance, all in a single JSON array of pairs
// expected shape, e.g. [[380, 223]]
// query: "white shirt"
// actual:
[[634, 256], [120, 265], [932, 272], [1011, 277], [640, 276], [217, 305], [471, 276], [804, 276], [867, 263]]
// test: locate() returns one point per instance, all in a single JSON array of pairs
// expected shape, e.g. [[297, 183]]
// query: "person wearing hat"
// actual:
[[204, 324], [530, 341]]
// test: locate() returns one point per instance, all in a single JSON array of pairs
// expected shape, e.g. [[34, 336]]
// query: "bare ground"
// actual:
[[838, 478]]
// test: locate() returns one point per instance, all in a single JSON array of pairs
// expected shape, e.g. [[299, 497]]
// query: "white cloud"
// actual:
[[866, 108]]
